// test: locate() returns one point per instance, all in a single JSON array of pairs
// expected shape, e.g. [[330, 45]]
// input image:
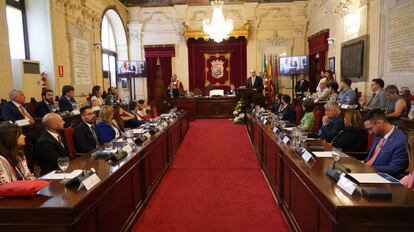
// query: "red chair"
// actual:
[[371, 138], [298, 112], [318, 120], [70, 142], [154, 112]]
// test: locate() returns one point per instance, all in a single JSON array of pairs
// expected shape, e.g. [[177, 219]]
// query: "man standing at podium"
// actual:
[[255, 82]]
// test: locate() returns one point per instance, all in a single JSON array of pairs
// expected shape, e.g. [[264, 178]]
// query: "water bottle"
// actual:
[[411, 113]]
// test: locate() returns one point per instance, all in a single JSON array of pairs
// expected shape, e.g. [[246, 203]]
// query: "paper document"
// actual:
[[59, 176], [289, 128], [138, 131], [323, 154], [373, 178]]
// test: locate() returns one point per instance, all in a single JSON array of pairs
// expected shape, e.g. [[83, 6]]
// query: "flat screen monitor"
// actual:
[[293, 65], [131, 68]]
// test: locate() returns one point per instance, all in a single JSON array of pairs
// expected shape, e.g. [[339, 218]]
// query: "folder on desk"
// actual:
[[374, 178]]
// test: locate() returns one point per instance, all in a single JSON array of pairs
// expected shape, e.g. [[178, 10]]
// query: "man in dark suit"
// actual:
[[255, 82], [66, 100], [45, 106], [50, 144], [301, 86], [333, 122], [87, 137], [388, 152], [14, 109]]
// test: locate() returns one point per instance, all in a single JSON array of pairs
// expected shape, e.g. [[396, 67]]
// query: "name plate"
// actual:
[[164, 124], [347, 185], [344, 106], [22, 122], [75, 112], [286, 140], [90, 182], [265, 121], [315, 101], [96, 108], [147, 134], [275, 129], [306, 156]]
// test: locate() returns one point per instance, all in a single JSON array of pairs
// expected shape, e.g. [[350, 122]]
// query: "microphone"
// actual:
[[343, 168]]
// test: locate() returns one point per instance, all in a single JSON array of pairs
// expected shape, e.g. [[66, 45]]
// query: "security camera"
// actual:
[[331, 41]]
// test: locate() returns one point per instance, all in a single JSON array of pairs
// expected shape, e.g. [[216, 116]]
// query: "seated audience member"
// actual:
[[354, 137], [13, 165], [50, 144], [396, 106], [333, 86], [142, 110], [46, 105], [96, 97], [66, 100], [286, 110], [378, 100], [123, 119], [347, 94], [112, 96], [276, 103], [408, 180], [306, 123], [332, 122], [134, 108], [329, 77], [106, 128], [86, 136], [324, 93], [14, 109], [388, 153]]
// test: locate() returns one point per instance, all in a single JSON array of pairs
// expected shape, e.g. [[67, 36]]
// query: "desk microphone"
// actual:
[[343, 168]]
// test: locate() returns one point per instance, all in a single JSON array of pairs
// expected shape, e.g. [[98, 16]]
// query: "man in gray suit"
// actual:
[[378, 100]]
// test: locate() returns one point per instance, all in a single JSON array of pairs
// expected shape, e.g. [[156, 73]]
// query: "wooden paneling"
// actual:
[[207, 107]]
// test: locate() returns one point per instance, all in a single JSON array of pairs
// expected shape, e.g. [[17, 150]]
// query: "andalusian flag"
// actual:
[[276, 82], [269, 67], [264, 63]]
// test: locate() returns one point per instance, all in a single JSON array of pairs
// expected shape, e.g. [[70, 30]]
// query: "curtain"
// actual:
[[318, 44], [164, 54], [197, 62]]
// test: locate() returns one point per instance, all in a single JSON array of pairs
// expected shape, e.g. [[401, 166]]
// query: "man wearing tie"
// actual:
[[379, 99], [255, 82], [50, 144], [388, 153], [87, 137], [301, 86], [14, 109]]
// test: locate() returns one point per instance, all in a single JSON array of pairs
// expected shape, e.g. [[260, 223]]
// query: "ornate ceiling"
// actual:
[[155, 3]]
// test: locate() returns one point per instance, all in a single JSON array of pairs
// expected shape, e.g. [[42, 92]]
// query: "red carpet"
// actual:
[[214, 184]]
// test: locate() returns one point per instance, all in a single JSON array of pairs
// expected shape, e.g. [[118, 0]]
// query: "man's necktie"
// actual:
[[376, 152], [371, 99], [25, 114], [95, 137], [60, 140]]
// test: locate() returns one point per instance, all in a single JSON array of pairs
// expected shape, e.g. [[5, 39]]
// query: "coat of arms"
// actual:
[[217, 69]]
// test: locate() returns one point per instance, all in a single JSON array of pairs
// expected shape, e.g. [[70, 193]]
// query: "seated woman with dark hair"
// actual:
[[142, 111], [353, 138], [306, 123], [124, 119], [13, 165], [286, 111], [276, 103]]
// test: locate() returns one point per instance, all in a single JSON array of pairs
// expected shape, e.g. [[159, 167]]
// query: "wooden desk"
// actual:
[[113, 205], [207, 107], [311, 201]]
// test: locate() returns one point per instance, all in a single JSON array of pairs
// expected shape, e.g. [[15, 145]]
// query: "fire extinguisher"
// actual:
[[43, 77]]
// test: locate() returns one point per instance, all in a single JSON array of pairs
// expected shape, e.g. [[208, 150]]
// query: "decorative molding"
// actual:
[[77, 9], [275, 12], [199, 16], [157, 17], [241, 31]]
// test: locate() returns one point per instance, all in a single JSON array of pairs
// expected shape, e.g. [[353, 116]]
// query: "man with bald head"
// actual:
[[50, 144], [255, 82]]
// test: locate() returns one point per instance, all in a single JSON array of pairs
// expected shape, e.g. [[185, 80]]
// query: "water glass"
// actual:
[[108, 146], [336, 153], [63, 163]]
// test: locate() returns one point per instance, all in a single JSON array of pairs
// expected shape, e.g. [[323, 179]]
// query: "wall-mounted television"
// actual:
[[354, 59], [131, 68], [293, 65]]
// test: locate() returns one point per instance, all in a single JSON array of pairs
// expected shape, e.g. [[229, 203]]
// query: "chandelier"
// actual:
[[219, 28]]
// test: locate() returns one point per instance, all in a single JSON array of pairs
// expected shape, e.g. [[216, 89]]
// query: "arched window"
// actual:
[[109, 54]]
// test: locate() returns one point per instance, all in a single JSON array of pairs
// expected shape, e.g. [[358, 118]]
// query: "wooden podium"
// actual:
[[250, 96]]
